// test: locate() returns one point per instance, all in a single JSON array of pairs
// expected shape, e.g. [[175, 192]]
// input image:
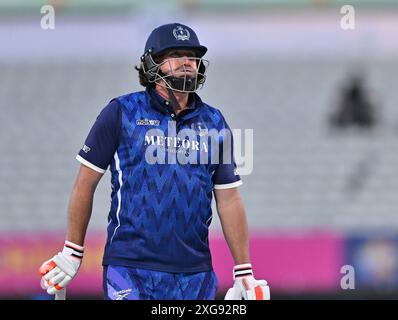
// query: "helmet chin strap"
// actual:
[[178, 83], [176, 106]]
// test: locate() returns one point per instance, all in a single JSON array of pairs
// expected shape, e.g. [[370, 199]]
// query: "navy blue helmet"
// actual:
[[173, 36]]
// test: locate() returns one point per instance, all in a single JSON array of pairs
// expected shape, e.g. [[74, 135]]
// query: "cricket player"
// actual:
[[164, 171]]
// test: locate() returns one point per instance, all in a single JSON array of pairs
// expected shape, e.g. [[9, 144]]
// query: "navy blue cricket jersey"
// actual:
[[160, 205]]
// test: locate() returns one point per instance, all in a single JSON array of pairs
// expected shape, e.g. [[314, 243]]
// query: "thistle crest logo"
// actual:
[[200, 128], [181, 33]]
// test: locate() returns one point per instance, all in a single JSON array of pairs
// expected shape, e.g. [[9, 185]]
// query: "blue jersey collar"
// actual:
[[157, 102]]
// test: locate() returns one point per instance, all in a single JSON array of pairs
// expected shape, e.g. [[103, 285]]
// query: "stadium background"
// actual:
[[318, 198]]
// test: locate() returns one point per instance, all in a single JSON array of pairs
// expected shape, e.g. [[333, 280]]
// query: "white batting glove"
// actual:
[[59, 271], [246, 287]]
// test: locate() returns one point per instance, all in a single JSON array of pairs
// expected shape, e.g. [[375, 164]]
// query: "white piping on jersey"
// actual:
[[228, 185], [119, 193], [89, 164]]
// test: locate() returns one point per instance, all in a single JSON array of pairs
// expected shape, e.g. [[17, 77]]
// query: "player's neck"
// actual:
[[181, 97]]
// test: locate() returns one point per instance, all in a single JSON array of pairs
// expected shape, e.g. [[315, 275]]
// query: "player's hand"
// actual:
[[246, 287], [59, 271]]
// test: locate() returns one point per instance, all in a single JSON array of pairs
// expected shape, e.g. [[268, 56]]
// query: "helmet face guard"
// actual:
[[182, 79]]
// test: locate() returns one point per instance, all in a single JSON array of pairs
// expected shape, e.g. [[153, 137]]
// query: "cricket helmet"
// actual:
[[173, 36]]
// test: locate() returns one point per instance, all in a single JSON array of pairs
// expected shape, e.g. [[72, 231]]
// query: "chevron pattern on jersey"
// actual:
[[165, 208]]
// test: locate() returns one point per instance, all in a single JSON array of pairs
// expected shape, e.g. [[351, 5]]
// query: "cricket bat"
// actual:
[[60, 295]]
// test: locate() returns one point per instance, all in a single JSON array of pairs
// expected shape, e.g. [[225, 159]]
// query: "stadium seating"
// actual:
[[305, 174]]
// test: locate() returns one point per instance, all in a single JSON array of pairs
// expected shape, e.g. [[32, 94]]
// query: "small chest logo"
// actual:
[[200, 129], [147, 122]]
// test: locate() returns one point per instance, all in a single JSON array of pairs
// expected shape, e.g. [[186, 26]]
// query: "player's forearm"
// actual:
[[79, 213], [235, 229], [80, 208]]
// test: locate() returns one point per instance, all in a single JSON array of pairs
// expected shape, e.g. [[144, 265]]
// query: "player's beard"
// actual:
[[185, 83], [183, 79]]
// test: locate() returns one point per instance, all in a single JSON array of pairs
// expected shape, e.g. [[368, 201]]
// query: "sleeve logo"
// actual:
[[86, 149]]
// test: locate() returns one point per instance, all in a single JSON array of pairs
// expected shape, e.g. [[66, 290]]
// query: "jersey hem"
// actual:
[[154, 267]]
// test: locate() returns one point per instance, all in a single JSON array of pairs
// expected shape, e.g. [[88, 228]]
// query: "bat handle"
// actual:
[[61, 295]]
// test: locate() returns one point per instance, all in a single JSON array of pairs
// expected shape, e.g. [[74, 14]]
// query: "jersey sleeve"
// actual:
[[103, 139], [226, 176]]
